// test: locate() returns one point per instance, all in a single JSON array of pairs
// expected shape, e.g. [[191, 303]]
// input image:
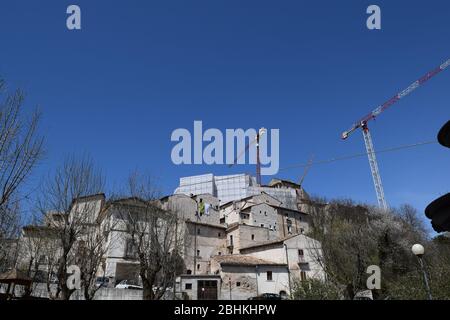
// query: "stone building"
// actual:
[[299, 252], [264, 246], [246, 276], [260, 218], [241, 248], [203, 234]]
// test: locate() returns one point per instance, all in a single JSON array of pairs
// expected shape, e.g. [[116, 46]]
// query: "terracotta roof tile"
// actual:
[[243, 260]]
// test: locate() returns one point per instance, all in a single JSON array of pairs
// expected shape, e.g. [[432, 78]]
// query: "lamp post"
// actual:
[[418, 251]]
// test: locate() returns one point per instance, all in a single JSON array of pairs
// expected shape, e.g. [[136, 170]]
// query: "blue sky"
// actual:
[[140, 69]]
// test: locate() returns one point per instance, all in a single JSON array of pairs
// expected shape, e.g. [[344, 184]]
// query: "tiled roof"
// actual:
[[206, 224], [243, 260], [269, 242], [247, 198]]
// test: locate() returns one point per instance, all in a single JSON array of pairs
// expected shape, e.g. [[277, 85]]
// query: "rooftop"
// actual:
[[206, 224], [243, 260], [286, 183], [248, 198], [270, 242]]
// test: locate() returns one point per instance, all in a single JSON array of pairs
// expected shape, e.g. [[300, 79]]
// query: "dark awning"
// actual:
[[444, 135], [15, 276], [439, 213]]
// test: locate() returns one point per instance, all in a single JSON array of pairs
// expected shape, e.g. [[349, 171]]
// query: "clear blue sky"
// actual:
[[140, 69]]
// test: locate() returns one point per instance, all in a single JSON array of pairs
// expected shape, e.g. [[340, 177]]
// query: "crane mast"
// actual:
[[374, 168], [362, 123]]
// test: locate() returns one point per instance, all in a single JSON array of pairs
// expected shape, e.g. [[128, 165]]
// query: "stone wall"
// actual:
[[203, 242], [111, 294]]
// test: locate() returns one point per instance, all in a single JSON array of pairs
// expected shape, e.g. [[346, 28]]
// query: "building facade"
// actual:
[[252, 244]]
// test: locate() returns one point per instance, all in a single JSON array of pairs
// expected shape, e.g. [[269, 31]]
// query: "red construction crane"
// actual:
[[362, 123]]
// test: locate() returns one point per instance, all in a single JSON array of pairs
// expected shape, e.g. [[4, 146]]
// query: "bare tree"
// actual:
[[20, 145], [9, 229], [65, 206], [92, 249], [38, 254], [354, 237], [155, 235], [21, 148], [346, 245]]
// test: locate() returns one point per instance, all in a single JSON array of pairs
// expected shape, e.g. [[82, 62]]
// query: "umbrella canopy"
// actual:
[[439, 213], [15, 276], [444, 135]]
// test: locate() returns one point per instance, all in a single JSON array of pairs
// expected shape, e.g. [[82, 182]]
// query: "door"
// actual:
[[207, 289]]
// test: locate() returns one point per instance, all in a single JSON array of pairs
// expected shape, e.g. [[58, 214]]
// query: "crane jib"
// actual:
[[397, 97], [367, 137]]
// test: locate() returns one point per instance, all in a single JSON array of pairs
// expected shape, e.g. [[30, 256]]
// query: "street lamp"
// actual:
[[419, 251]]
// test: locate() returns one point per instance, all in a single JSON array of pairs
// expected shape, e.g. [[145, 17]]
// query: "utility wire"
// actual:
[[331, 160], [357, 155]]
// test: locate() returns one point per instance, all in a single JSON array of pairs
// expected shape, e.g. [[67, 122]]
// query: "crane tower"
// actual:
[[362, 123]]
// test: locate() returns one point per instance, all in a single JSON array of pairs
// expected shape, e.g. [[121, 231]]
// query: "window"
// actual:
[[198, 231], [238, 284], [302, 230], [289, 225], [303, 275], [219, 234], [188, 286], [198, 253], [262, 225], [300, 252], [189, 271], [131, 249], [220, 253], [269, 275], [253, 237], [265, 213], [198, 266]]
